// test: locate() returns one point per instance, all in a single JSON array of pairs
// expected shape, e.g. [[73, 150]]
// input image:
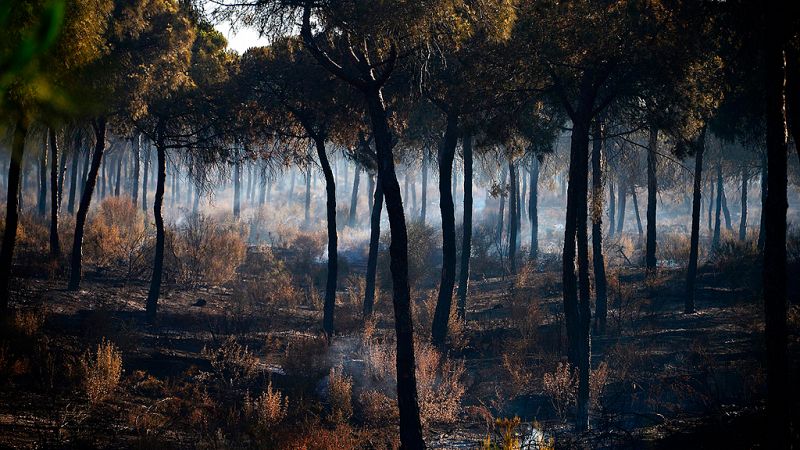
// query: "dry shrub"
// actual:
[[29, 321], [738, 261], [674, 248], [598, 379], [520, 376], [341, 437], [102, 371], [269, 408], [526, 315], [423, 242], [208, 251], [306, 355], [306, 249], [115, 234], [340, 396], [423, 310], [439, 385], [349, 306], [561, 387], [379, 360], [232, 362], [377, 408]]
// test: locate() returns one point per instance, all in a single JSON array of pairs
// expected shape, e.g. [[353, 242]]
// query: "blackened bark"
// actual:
[[691, 273], [374, 242], [622, 189], [87, 162], [774, 269], [533, 208], [55, 244], [370, 192], [119, 176], [636, 210], [447, 152], [512, 217], [743, 218], [598, 260], [612, 205], [652, 190], [715, 240], [501, 212], [466, 238], [333, 258], [12, 209], [146, 174], [73, 181], [158, 201], [137, 139], [711, 207], [351, 219], [726, 213], [86, 200]]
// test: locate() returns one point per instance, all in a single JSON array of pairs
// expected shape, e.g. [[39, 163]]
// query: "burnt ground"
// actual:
[[674, 380]]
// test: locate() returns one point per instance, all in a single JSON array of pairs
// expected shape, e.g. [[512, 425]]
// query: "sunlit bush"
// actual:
[[115, 233], [102, 371], [208, 251]]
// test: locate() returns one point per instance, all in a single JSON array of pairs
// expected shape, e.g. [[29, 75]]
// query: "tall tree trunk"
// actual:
[[86, 200], [466, 238], [237, 188], [137, 140], [513, 204], [726, 213], [62, 169], [370, 191], [447, 152], [73, 184], [774, 269], [351, 220], [55, 244], [622, 189], [715, 240], [743, 218], [374, 242], [145, 176], [652, 190], [599, 264], [424, 193], [333, 258], [636, 210], [119, 176], [533, 208], [12, 210], [87, 162], [408, 405], [691, 272], [42, 204], [501, 212], [158, 201], [612, 204]]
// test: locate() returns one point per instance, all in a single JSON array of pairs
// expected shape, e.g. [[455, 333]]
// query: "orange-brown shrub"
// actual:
[[115, 233], [208, 251]]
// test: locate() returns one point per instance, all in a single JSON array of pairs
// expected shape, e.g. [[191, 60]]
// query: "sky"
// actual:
[[242, 39]]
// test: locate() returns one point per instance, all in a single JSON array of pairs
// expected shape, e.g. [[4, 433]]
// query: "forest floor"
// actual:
[[667, 379]]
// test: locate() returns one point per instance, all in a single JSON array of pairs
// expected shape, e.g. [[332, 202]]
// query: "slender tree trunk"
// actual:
[[726, 213], [743, 219], [42, 205], [333, 259], [652, 190], [622, 189], [512, 217], [158, 201], [12, 210], [145, 176], [599, 265], [447, 152], [691, 273], [119, 176], [73, 184], [83, 207], [774, 271], [408, 405], [291, 189], [237, 188], [636, 210], [62, 169], [413, 195], [370, 191], [374, 242], [716, 238], [533, 208], [87, 162], [501, 212], [137, 140], [424, 193], [55, 244], [466, 239], [351, 220], [612, 203]]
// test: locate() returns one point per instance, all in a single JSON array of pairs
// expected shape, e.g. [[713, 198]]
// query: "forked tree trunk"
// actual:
[[158, 201], [691, 272], [447, 152], [466, 239], [86, 200], [599, 265], [533, 208], [12, 210], [55, 244], [333, 258], [726, 213], [652, 190]]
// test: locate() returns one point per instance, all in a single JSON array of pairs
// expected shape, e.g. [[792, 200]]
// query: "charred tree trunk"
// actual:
[[158, 201], [370, 192], [501, 212], [636, 210], [512, 217], [12, 209], [652, 190], [726, 213], [715, 240], [691, 273], [466, 239], [137, 139], [119, 176], [145, 176], [87, 162], [374, 242], [351, 220], [711, 207], [86, 200], [612, 204], [743, 218], [622, 189], [55, 244], [73, 184], [598, 260], [533, 208], [447, 152], [333, 258]]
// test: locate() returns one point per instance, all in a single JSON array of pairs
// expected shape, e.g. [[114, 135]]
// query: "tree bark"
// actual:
[[636, 210], [12, 210], [652, 190], [119, 176], [55, 244], [83, 207], [237, 188], [599, 265], [447, 152], [612, 204], [145, 176], [501, 212], [762, 228], [622, 189], [466, 239], [374, 242], [691, 272], [533, 208], [351, 220], [333, 258], [137, 139], [743, 218], [512, 217], [74, 181], [158, 201]]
